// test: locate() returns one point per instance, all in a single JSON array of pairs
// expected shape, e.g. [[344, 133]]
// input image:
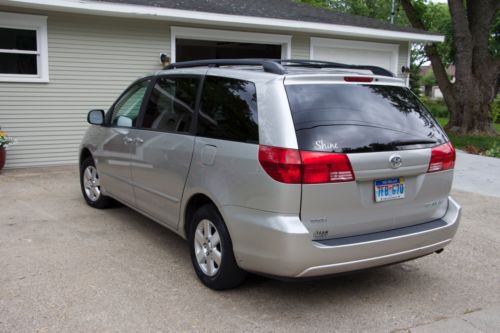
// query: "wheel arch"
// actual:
[[194, 202], [84, 154]]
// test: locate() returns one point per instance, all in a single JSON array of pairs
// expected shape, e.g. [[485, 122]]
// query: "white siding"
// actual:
[[91, 60]]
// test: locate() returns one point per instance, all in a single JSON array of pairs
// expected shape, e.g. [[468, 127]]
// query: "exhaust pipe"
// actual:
[[439, 251]]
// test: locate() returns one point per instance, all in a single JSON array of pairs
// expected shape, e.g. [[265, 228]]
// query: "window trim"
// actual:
[[229, 36], [28, 22]]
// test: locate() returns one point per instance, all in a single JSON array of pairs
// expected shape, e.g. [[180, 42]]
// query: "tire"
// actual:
[[212, 255], [91, 189]]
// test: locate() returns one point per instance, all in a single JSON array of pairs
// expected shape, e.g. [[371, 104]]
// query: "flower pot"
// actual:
[[3, 155]]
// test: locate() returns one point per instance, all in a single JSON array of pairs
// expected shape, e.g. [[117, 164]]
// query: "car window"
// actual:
[[360, 118], [228, 110], [171, 104], [127, 108]]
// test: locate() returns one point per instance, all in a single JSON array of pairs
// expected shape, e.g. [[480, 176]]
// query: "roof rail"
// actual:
[[327, 64], [277, 66], [269, 65]]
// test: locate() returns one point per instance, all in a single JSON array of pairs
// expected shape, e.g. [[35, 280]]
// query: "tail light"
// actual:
[[292, 166], [281, 164], [442, 158], [325, 168]]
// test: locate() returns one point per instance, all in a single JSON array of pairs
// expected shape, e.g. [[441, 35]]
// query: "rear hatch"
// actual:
[[375, 142]]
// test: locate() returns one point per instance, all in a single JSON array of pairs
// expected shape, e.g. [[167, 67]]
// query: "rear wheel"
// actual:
[[212, 251], [91, 187]]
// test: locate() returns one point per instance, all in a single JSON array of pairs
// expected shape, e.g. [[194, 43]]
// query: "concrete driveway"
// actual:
[[65, 267], [477, 174]]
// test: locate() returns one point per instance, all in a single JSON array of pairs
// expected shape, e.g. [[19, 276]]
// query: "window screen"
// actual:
[[228, 110], [171, 105]]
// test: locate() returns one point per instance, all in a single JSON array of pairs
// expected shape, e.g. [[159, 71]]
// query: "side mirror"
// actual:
[[96, 117]]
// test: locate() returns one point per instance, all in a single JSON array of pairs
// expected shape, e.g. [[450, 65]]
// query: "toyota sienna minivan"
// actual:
[[286, 168]]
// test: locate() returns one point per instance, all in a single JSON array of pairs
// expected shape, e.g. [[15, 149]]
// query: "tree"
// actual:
[[469, 98]]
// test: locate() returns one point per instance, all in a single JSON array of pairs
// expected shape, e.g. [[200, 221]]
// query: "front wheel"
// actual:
[[212, 251], [91, 187]]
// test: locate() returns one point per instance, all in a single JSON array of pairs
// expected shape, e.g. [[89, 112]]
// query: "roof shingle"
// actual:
[[278, 9]]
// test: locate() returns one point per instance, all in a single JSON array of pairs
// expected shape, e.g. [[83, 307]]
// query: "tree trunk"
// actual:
[[470, 115]]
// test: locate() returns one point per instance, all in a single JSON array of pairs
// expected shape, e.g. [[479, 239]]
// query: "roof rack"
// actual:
[[327, 64], [269, 65], [277, 66]]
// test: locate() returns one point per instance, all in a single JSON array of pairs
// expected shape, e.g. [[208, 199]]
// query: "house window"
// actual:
[[23, 48]]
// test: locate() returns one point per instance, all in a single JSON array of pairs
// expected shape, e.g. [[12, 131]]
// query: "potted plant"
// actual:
[[5, 141]]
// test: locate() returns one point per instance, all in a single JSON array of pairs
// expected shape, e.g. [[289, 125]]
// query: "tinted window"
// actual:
[[128, 106], [360, 118], [171, 105], [228, 110]]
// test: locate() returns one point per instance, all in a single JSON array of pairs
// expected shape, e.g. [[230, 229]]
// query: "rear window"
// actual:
[[360, 118]]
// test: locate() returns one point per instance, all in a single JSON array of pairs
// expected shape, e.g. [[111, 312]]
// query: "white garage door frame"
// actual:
[[357, 45], [229, 36]]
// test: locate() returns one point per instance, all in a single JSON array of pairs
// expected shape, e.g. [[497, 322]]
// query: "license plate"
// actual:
[[389, 189]]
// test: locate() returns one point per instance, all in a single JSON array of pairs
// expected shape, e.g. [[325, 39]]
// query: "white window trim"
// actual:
[[229, 36], [357, 45], [31, 22]]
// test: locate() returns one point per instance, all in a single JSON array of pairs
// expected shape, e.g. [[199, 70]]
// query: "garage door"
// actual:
[[356, 53]]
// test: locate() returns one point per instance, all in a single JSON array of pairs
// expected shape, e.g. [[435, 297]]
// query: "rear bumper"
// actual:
[[280, 245]]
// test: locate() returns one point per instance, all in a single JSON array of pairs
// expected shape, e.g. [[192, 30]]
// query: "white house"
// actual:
[[61, 58]]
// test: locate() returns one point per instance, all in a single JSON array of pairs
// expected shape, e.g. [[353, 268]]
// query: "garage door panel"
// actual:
[[355, 52], [355, 57]]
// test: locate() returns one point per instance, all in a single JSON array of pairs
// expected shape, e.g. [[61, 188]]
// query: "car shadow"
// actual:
[[347, 286]]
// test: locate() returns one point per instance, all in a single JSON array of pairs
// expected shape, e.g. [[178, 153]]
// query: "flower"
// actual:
[[6, 140]]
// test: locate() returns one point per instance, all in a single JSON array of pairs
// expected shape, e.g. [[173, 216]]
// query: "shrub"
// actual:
[[437, 107]]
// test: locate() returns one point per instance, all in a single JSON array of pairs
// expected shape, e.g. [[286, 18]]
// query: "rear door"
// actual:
[[163, 147], [388, 136]]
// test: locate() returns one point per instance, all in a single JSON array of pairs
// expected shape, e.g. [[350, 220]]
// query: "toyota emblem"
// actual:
[[395, 161]]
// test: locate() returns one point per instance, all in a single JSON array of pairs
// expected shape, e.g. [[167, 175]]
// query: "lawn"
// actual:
[[473, 143]]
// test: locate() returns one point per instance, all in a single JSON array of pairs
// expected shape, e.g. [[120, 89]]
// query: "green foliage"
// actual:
[[494, 41], [493, 151], [495, 111], [428, 79], [436, 107], [415, 79]]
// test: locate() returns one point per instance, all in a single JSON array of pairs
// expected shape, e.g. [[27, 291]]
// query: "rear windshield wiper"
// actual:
[[409, 142]]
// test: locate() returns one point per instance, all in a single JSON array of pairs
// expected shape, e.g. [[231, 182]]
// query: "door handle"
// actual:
[[127, 140], [138, 141]]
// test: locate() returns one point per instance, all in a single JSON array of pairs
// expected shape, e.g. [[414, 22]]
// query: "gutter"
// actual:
[[187, 16]]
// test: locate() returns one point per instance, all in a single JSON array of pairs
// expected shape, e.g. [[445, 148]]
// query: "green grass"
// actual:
[[444, 121], [485, 144]]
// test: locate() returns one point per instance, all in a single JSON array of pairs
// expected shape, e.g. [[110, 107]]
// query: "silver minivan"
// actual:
[[287, 168]]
